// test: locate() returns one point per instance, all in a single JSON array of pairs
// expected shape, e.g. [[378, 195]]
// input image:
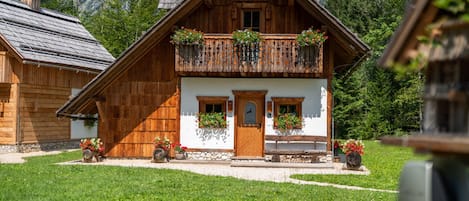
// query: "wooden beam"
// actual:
[[446, 144], [296, 138], [100, 106]]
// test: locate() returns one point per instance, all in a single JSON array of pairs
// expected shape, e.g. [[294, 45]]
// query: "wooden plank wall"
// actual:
[[8, 120], [42, 91], [141, 105], [280, 17]]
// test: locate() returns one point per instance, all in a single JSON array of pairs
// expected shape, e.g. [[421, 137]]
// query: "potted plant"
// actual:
[[353, 150], [310, 41], [285, 123], [189, 43], [246, 43], [92, 148], [338, 151], [212, 120], [161, 151], [180, 151]]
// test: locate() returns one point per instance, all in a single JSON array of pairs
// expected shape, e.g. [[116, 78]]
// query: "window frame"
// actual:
[[204, 100], [278, 101], [251, 10]]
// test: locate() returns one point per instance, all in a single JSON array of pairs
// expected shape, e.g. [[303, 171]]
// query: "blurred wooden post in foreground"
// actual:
[[446, 95]]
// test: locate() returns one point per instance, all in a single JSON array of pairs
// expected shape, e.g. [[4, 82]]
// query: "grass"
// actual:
[[41, 179], [384, 162]]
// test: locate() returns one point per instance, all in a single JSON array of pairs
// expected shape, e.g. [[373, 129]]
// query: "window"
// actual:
[[212, 105], [287, 105], [251, 20]]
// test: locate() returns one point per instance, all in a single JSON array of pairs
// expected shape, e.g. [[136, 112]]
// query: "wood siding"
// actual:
[[8, 120], [141, 105], [36, 92], [276, 17]]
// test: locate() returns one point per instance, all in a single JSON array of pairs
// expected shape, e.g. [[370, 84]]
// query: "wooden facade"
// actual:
[[39, 68], [139, 96], [141, 104], [33, 95]]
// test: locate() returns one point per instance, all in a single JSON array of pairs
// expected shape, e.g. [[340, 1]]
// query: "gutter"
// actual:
[[37, 63]]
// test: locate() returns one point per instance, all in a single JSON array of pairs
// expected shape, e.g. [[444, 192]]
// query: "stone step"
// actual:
[[282, 165]]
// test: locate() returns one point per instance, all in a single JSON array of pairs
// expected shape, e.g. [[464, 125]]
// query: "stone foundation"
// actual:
[[302, 158], [210, 156], [25, 148]]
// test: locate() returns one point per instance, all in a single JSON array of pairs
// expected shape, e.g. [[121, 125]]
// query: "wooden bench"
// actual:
[[295, 138]]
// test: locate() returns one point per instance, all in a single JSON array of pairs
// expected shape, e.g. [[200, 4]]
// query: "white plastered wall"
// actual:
[[314, 107], [78, 128]]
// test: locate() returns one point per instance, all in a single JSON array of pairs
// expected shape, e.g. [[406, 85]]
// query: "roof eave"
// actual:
[[10, 48], [405, 36], [94, 87]]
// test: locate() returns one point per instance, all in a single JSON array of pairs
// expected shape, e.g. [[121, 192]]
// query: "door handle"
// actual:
[[259, 125]]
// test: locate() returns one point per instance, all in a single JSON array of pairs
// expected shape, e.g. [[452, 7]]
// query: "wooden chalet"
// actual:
[[446, 102], [44, 56], [154, 89]]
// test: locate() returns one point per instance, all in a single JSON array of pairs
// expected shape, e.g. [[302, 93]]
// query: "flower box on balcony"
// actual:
[[246, 44]]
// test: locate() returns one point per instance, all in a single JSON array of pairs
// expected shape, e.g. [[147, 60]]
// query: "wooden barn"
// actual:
[[444, 59], [157, 88], [45, 56]]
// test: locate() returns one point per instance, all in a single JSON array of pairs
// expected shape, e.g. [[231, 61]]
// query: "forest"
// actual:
[[369, 102]]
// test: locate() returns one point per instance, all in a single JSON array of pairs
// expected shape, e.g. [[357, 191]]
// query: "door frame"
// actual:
[[248, 93]]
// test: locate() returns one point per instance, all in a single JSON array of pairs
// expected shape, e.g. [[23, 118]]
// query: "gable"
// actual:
[[352, 49], [45, 36]]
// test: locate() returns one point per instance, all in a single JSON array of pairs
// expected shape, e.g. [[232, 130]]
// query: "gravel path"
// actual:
[[217, 169], [247, 173]]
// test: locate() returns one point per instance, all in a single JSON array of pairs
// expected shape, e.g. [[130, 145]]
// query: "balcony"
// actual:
[[447, 91], [276, 55]]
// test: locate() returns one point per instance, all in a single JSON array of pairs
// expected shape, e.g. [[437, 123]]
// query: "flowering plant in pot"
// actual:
[[185, 36], [161, 151], [212, 120], [180, 151], [92, 148], [247, 44], [285, 123], [311, 37], [310, 41], [353, 150], [189, 44]]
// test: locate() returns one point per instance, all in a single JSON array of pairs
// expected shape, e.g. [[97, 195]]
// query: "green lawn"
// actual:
[[384, 162], [41, 179]]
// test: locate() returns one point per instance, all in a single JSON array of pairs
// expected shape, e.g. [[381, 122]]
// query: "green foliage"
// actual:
[[64, 6], [384, 162], [453, 6], [374, 101], [246, 36], [41, 179], [118, 23], [185, 36], [288, 121], [212, 120], [311, 37]]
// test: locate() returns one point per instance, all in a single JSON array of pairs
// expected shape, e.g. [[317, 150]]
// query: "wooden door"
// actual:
[[249, 120]]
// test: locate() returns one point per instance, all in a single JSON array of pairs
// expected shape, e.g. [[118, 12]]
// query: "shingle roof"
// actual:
[[168, 4], [50, 37]]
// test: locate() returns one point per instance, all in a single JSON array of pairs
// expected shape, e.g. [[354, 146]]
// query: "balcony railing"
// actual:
[[446, 90], [277, 53]]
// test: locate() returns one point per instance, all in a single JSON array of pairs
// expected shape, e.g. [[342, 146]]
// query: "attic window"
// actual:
[[251, 20]]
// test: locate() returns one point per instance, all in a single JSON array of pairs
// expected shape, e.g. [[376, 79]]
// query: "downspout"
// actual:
[[18, 117]]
